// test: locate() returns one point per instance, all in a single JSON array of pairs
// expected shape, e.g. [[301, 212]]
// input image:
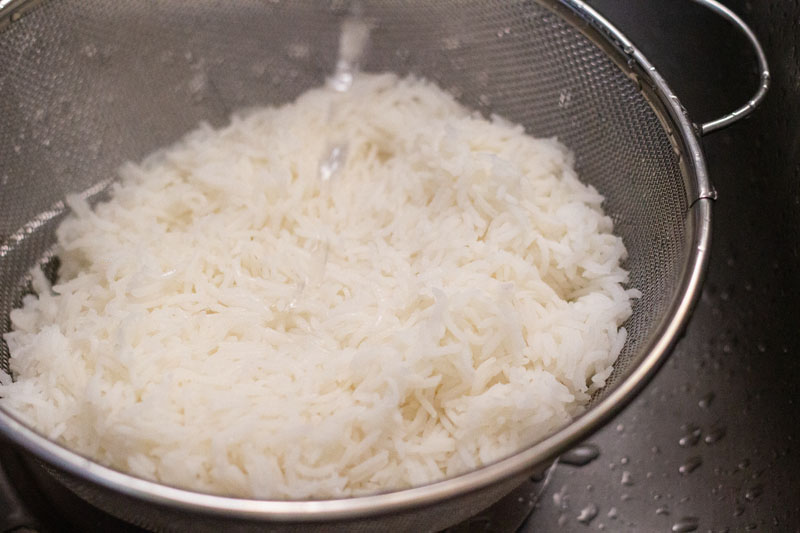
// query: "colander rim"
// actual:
[[615, 44]]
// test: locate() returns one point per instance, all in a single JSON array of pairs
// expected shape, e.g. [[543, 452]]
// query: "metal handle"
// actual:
[[763, 68]]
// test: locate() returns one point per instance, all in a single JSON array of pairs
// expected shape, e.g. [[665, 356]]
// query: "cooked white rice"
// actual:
[[231, 322]]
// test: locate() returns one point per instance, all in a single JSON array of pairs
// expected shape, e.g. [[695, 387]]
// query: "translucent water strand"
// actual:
[[352, 42]]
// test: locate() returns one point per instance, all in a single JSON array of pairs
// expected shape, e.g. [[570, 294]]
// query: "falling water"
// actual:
[[334, 160], [352, 43], [353, 38]]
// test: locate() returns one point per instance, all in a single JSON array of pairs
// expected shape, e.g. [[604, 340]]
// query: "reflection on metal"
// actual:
[[763, 69], [13, 10]]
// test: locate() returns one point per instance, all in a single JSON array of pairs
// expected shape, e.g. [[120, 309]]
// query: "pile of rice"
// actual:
[[233, 322]]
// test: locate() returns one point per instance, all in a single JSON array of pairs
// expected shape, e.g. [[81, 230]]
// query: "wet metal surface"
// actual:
[[711, 444]]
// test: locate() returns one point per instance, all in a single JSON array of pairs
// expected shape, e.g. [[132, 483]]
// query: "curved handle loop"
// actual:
[[763, 69]]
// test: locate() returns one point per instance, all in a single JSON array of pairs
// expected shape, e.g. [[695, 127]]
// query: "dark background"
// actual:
[[733, 380]]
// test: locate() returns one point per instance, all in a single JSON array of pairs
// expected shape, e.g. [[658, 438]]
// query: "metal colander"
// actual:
[[89, 84]]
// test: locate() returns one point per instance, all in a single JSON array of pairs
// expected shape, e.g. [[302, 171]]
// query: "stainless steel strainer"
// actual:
[[86, 85]]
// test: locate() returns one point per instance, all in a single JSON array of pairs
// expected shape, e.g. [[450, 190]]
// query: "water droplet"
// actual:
[[727, 348], [89, 50], [744, 463], [451, 43], [561, 499], [663, 510], [298, 50], [17, 148], [352, 43], [686, 525], [613, 513], [627, 478], [587, 514], [624, 460], [620, 428], [753, 493], [580, 455], [715, 435], [692, 436], [332, 162], [626, 497], [761, 347], [690, 465], [705, 401]]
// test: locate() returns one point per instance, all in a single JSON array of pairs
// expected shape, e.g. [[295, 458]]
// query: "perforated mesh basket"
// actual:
[[89, 84]]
